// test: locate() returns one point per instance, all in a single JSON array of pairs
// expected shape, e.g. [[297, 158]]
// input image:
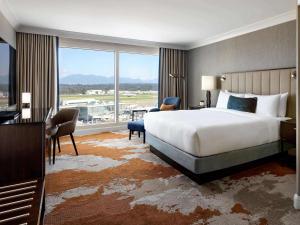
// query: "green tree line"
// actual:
[[81, 89]]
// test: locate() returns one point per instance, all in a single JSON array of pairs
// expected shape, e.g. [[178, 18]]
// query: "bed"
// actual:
[[212, 139]]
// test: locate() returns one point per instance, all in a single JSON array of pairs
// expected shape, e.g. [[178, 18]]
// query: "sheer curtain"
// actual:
[[174, 62]]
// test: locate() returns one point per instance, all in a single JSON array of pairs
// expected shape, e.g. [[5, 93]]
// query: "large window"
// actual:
[[138, 83], [106, 85], [86, 82], [4, 74]]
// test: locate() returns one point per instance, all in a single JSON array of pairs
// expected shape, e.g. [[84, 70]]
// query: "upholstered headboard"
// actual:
[[264, 82]]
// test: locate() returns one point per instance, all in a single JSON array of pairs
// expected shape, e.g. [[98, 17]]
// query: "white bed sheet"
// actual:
[[212, 131]]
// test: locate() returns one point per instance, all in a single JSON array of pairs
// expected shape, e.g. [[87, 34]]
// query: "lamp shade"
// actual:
[[208, 83], [26, 97]]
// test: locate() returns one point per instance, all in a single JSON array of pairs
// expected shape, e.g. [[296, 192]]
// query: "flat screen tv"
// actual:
[[7, 75]]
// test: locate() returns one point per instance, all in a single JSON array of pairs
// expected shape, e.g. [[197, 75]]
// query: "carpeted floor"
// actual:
[[116, 181]]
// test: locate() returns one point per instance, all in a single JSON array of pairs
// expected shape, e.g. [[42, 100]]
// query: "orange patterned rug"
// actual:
[[116, 181]]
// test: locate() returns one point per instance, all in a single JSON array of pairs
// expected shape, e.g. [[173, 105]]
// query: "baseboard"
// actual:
[[296, 201]]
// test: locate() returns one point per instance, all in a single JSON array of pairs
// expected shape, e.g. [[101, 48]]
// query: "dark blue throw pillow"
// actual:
[[242, 104]]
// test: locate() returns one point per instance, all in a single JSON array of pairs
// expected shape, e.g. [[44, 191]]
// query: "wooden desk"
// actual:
[[22, 160]]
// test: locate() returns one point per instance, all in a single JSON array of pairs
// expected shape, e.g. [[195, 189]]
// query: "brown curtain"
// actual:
[[173, 61], [37, 69]]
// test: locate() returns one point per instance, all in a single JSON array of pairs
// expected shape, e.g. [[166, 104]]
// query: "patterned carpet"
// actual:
[[115, 181]]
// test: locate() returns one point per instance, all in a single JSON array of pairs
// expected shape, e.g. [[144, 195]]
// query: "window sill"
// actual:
[[98, 128]]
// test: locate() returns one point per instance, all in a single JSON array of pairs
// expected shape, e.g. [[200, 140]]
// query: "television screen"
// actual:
[[7, 75]]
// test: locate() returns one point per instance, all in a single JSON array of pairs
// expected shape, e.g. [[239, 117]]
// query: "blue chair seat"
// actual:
[[137, 125]]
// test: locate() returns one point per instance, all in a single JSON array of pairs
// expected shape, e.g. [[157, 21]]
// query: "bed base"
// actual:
[[204, 165]]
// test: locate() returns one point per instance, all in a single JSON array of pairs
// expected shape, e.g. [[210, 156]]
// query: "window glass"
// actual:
[[86, 82], [138, 83]]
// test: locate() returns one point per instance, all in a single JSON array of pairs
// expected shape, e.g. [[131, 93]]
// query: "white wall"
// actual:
[[7, 32]]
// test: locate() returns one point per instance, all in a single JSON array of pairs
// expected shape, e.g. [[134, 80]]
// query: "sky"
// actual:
[[78, 61], [4, 60]]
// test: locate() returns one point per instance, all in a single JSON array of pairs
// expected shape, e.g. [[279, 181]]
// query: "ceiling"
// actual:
[[186, 23]]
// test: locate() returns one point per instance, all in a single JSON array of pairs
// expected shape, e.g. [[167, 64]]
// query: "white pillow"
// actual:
[[222, 100], [267, 105], [282, 104], [224, 97]]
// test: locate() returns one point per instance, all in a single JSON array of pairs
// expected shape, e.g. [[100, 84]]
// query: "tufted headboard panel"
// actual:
[[264, 82]]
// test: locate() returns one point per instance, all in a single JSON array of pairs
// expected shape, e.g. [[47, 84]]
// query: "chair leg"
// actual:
[[74, 143], [130, 134], [144, 137], [49, 149], [139, 134], [58, 143], [54, 145]]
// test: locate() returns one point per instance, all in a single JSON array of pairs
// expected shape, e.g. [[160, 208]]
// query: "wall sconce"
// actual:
[[176, 76], [223, 78], [294, 75]]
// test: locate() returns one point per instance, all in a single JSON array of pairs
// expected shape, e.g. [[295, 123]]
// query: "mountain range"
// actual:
[[3, 79], [98, 79]]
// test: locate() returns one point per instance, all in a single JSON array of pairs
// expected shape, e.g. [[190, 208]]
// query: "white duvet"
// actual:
[[212, 131]]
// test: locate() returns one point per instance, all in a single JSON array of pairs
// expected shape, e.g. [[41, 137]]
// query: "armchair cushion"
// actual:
[[137, 125], [172, 101], [65, 128], [64, 122], [164, 107], [175, 101]]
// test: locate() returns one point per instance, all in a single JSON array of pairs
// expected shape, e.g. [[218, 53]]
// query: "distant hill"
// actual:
[[97, 79]]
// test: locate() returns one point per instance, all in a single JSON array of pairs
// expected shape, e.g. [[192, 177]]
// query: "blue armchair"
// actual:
[[169, 101]]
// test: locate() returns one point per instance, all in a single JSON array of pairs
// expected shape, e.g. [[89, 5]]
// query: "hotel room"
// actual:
[[153, 112]]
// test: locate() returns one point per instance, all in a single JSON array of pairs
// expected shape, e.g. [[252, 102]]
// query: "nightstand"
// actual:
[[288, 131], [288, 140], [196, 107]]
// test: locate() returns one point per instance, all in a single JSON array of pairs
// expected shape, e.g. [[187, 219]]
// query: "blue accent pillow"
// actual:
[[242, 104]]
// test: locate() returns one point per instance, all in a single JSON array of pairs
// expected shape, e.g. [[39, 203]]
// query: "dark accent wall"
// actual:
[[273, 47]]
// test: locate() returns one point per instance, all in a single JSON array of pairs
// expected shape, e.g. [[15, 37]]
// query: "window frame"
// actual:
[[117, 49]]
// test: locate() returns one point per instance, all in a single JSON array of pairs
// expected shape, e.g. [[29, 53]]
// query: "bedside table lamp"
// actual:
[[208, 83]]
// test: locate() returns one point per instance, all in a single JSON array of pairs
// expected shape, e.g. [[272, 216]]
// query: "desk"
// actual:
[[22, 159]]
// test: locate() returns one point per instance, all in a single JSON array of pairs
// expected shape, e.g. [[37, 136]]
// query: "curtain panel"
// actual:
[[173, 61], [37, 69]]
